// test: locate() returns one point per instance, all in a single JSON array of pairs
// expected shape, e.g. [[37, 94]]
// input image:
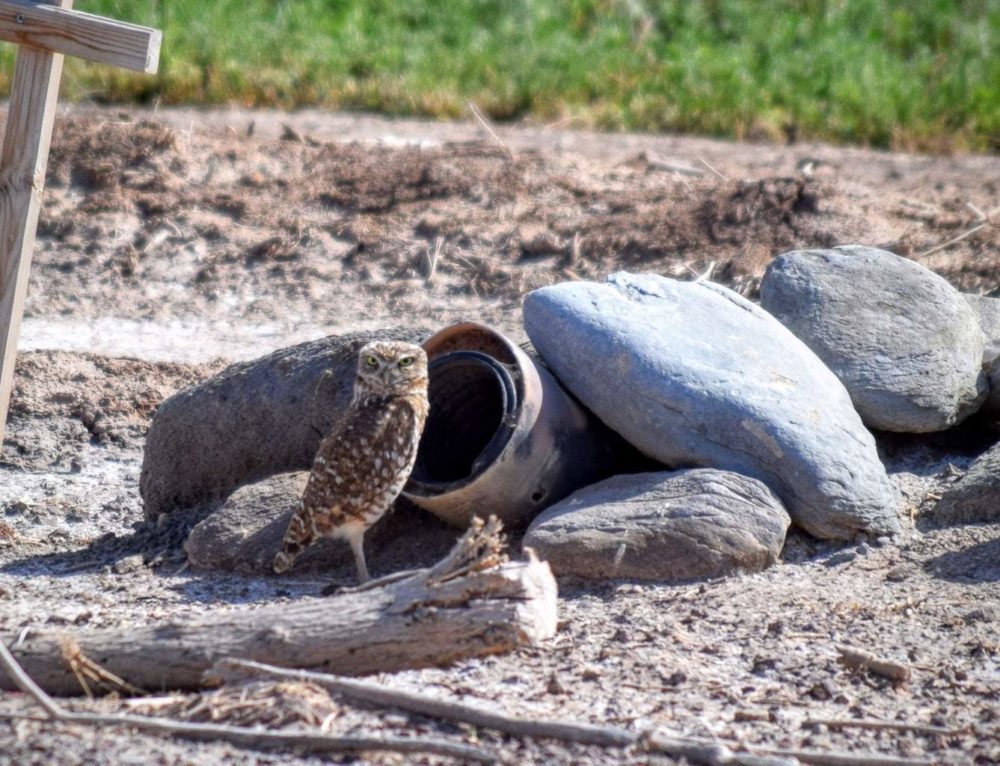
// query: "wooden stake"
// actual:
[[32, 109], [45, 31]]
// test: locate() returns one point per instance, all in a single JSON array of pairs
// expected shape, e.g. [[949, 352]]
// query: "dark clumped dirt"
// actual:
[[172, 243]]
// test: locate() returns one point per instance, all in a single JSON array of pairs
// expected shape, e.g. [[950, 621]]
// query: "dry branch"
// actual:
[[656, 162], [377, 694], [712, 753], [866, 723], [301, 740], [859, 659], [474, 606]]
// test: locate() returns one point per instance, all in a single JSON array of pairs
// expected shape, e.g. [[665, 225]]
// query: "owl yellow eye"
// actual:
[[371, 361], [406, 361]]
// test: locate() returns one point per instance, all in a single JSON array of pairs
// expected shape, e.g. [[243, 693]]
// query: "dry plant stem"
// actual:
[[954, 240], [481, 119], [863, 723], [984, 220], [432, 258], [859, 659], [713, 753], [722, 176], [673, 166], [83, 668], [376, 694], [247, 737]]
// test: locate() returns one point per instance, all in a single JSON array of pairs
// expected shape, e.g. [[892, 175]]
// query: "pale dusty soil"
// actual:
[[171, 243]]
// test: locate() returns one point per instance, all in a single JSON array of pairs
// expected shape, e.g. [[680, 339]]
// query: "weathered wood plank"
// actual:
[[74, 33], [23, 160]]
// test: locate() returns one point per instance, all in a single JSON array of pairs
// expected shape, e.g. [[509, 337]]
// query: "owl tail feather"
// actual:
[[297, 538]]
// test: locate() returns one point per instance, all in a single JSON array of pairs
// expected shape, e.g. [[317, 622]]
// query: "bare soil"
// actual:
[[174, 242]]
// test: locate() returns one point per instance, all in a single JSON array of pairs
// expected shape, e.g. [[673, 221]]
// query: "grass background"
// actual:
[[921, 74]]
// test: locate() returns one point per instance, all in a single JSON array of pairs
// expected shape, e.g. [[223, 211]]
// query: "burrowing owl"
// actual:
[[362, 465]]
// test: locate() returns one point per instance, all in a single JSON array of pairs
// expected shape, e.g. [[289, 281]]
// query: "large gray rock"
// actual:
[[666, 527], [693, 374], [245, 532], [974, 497], [906, 344], [252, 420]]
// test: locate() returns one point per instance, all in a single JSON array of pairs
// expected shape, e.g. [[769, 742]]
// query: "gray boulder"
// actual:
[[245, 532], [905, 343], [666, 527], [252, 420], [693, 374], [974, 497]]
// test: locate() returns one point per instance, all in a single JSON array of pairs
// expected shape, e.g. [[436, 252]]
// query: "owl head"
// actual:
[[392, 368]]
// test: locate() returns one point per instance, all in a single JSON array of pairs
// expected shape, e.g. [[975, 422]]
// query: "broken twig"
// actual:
[[713, 753], [984, 219], [656, 162], [859, 659], [867, 723], [481, 119], [376, 694], [713, 169]]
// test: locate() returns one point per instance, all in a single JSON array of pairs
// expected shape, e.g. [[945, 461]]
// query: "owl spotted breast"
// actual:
[[362, 465]]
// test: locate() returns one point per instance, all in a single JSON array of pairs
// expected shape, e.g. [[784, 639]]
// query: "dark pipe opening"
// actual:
[[473, 410]]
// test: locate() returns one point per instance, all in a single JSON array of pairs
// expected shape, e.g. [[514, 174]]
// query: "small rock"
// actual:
[[905, 343], [840, 557], [974, 497], [554, 685], [129, 565], [899, 573], [693, 374], [668, 526]]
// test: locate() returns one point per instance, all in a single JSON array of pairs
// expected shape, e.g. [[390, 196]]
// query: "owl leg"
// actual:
[[357, 541], [297, 537]]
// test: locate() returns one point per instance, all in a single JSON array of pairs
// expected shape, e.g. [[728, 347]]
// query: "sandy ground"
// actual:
[[174, 242]]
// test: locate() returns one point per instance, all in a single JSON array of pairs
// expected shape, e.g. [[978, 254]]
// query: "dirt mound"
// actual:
[[184, 229], [113, 399], [270, 228], [376, 179]]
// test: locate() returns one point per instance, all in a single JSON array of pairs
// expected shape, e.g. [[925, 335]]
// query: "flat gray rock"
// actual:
[[974, 497], [245, 532], [693, 374], [252, 420], [666, 527], [905, 343]]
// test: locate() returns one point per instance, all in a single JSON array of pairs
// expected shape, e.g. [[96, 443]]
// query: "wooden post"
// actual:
[[45, 32]]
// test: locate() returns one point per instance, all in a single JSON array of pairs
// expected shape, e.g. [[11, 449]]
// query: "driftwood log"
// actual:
[[252, 420], [472, 603]]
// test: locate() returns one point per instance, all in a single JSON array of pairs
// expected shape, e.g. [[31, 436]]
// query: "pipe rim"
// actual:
[[505, 385]]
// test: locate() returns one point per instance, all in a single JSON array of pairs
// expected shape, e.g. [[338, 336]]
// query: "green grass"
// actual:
[[883, 72]]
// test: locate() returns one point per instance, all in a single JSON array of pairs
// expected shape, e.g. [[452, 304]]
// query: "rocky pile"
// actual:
[[753, 417]]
